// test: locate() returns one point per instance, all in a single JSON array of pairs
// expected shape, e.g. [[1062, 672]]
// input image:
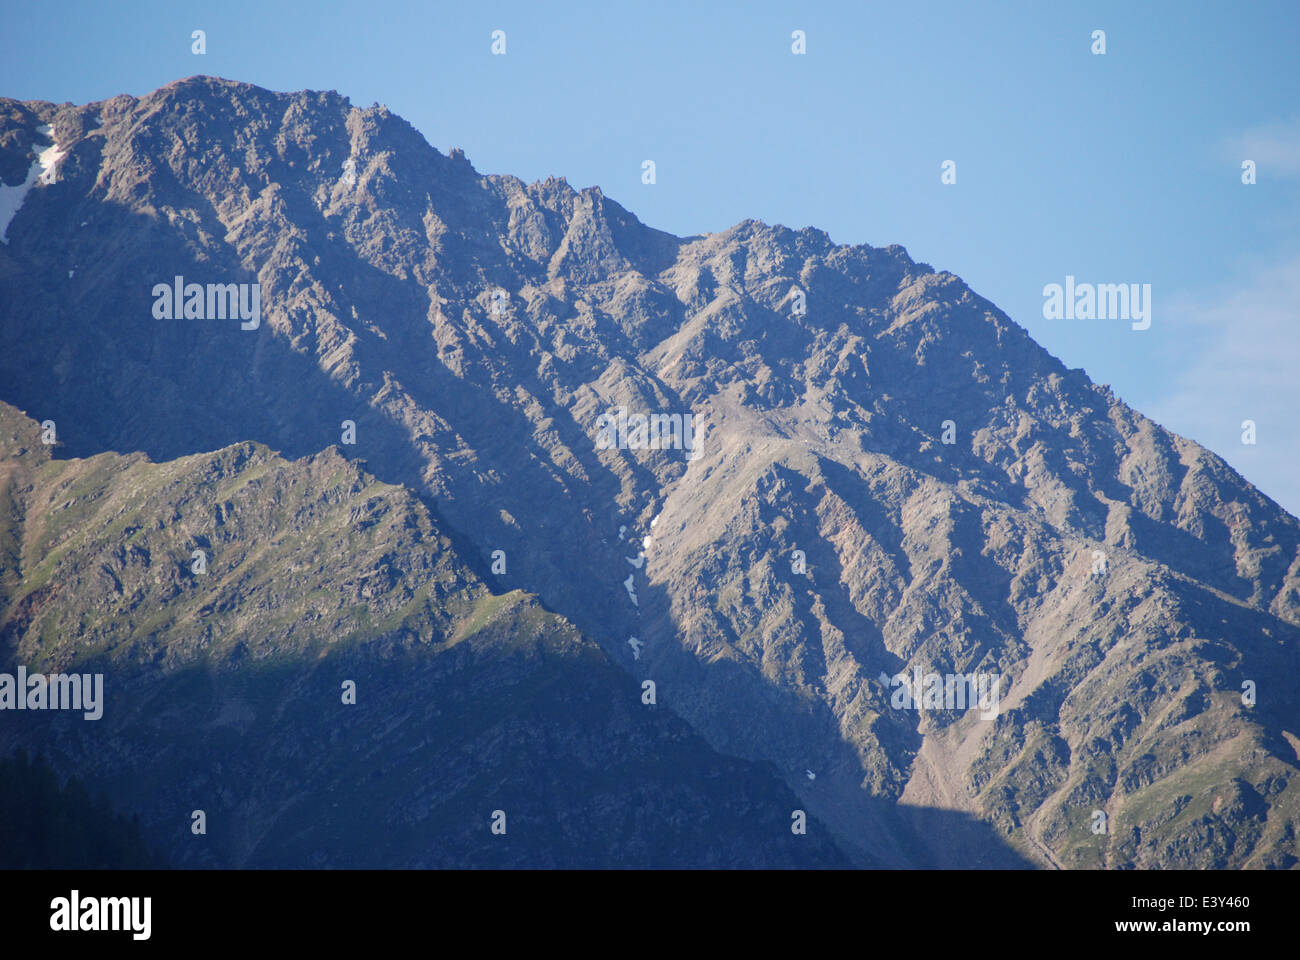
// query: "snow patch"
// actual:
[[631, 591], [50, 156], [42, 170], [11, 198]]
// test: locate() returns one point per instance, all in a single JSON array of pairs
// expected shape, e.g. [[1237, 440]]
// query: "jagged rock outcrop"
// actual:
[[961, 500]]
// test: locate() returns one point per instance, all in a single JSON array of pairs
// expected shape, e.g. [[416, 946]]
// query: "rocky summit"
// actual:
[[416, 516]]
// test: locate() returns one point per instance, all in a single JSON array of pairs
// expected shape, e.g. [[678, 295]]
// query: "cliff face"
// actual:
[[887, 475]]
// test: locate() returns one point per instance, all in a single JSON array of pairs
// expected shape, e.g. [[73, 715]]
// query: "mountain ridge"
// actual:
[[825, 432]]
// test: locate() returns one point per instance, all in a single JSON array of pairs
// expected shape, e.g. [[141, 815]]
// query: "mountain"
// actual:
[[225, 684], [886, 478]]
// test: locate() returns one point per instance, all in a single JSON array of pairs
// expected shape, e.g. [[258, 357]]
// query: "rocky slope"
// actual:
[[225, 682], [961, 501]]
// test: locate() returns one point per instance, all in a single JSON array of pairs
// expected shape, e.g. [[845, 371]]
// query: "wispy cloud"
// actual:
[[1249, 370], [1275, 147]]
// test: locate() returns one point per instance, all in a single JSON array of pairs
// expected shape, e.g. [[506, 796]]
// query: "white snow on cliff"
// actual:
[[42, 169]]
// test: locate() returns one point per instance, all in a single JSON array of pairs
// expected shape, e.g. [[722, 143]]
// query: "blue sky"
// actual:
[[1121, 168]]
